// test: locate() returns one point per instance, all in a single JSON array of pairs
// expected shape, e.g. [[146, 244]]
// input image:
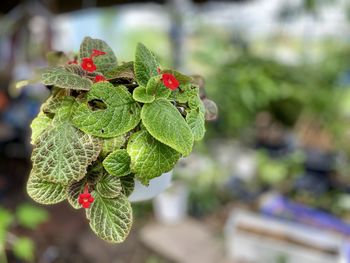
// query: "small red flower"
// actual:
[[170, 81], [96, 53], [99, 78], [85, 199], [88, 64], [75, 61]]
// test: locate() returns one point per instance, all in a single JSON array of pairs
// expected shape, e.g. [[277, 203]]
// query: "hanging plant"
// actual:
[[107, 124]]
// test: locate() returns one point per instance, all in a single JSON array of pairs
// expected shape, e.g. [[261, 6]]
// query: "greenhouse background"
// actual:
[[270, 182]]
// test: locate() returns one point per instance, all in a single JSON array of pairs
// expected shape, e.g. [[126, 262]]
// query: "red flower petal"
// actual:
[[91, 200], [99, 78], [170, 81], [96, 53], [75, 61], [88, 64]]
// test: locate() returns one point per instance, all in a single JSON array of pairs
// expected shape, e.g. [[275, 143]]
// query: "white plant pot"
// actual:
[[155, 187], [170, 207]]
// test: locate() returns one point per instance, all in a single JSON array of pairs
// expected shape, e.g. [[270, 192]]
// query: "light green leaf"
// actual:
[[39, 125], [196, 122], [6, 218], [169, 127], [117, 163], [139, 94], [110, 218], [109, 186], [111, 144], [156, 88], [122, 113], [31, 216], [149, 157], [184, 93], [63, 153], [62, 78], [128, 184], [104, 62], [145, 65], [195, 102], [45, 192], [23, 248]]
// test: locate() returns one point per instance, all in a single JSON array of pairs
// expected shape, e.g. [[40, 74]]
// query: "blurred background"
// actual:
[[271, 180]]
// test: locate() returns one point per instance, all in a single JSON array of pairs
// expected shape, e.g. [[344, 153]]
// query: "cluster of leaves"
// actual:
[[25, 216], [106, 134]]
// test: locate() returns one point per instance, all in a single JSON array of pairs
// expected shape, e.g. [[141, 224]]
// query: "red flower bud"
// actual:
[[99, 78], [96, 53]]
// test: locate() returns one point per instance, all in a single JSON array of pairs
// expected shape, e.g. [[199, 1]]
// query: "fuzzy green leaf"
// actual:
[[128, 184], [122, 113], [184, 93], [169, 127], [39, 125], [111, 144], [139, 94], [62, 78], [109, 186], [110, 218], [117, 163], [156, 88], [145, 65], [45, 192], [196, 121], [62, 153], [104, 62], [124, 72], [149, 157]]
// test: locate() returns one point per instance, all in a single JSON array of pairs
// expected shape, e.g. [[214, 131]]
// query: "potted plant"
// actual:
[[107, 124]]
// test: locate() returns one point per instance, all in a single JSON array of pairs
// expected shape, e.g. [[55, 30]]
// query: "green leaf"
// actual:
[[23, 248], [110, 218], [109, 186], [31, 216], [149, 157], [145, 65], [45, 192], [122, 113], [74, 189], [111, 144], [117, 163], [168, 127], [124, 72], [39, 125], [104, 62], [62, 78], [196, 122], [62, 153], [6, 218], [139, 94], [128, 184], [184, 93], [156, 88]]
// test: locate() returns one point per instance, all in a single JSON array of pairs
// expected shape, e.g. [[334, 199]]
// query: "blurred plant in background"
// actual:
[[14, 229]]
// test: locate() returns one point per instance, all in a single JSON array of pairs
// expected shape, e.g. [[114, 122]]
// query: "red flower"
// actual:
[[88, 64], [170, 81], [85, 199], [99, 78], [159, 70], [96, 53]]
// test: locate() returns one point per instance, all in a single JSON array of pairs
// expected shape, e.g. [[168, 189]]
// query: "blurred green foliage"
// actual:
[[26, 216]]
